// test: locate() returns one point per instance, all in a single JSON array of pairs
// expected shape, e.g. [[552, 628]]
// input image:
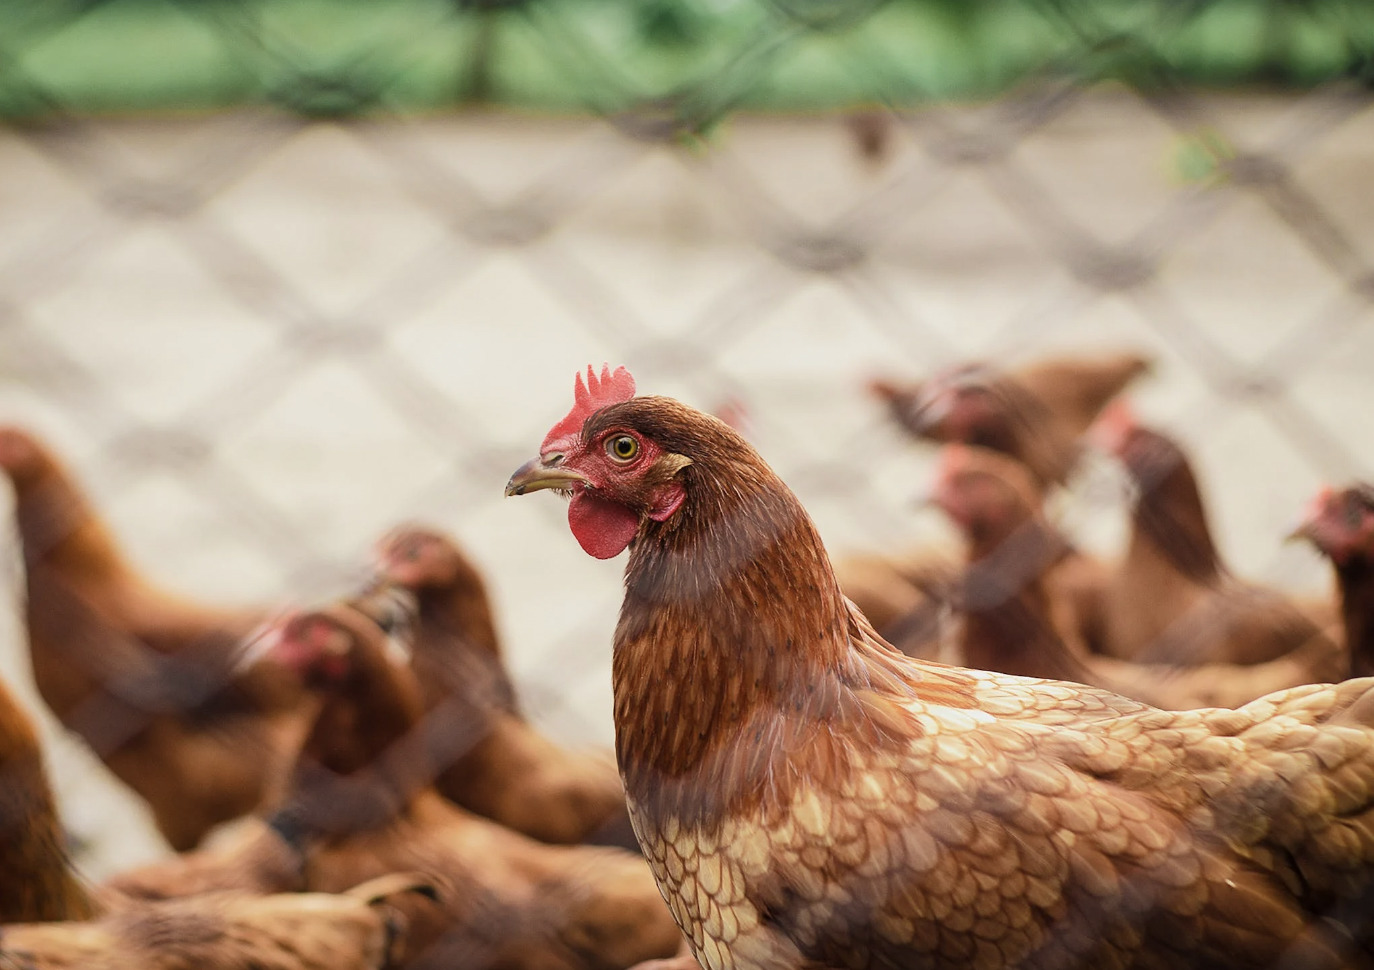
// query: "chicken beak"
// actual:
[[534, 475], [1309, 528], [1303, 531]]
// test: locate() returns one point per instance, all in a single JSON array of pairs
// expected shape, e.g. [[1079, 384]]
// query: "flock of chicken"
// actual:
[[1068, 763]]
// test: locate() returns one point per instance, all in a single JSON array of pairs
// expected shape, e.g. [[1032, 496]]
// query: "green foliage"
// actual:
[[700, 58]]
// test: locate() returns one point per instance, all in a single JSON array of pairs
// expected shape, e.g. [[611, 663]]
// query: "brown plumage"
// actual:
[[49, 920], [148, 678], [1172, 599], [357, 930], [362, 804], [1035, 413], [1008, 623], [36, 882], [908, 598], [1341, 525], [807, 796], [508, 771]]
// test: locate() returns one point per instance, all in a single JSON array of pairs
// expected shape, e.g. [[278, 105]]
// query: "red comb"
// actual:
[[597, 393]]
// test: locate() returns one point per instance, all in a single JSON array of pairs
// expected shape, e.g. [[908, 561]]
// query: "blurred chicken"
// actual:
[[36, 881], [362, 804], [357, 930], [1036, 413], [909, 597], [809, 797], [1008, 624], [49, 919], [1172, 599], [1341, 525], [158, 685], [508, 771]]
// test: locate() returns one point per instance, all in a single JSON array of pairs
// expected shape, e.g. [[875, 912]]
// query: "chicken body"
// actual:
[[1172, 599], [807, 796], [311, 931], [509, 771], [1008, 622], [361, 804], [1035, 413], [148, 679], [36, 882]]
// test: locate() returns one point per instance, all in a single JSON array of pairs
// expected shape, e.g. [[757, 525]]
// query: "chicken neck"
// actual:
[[368, 755], [60, 531], [457, 634], [733, 637], [1170, 520], [1007, 625], [1356, 580]]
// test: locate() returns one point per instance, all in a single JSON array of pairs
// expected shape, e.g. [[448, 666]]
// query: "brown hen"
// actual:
[[1173, 599], [50, 920], [808, 797], [362, 804], [1008, 624], [1341, 525], [155, 683], [357, 930], [36, 881], [1036, 413], [509, 771]]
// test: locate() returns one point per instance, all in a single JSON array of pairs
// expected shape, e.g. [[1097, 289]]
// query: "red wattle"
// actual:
[[603, 529]]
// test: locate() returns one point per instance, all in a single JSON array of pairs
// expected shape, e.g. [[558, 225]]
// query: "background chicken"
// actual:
[[808, 796], [509, 771], [1007, 618], [50, 919], [36, 879], [1172, 599], [159, 686], [361, 929], [1035, 414], [362, 804], [1341, 525]]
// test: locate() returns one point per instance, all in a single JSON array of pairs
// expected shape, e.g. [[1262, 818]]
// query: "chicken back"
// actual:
[[807, 796]]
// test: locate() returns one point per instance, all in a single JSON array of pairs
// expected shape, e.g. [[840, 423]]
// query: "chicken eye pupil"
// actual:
[[624, 447]]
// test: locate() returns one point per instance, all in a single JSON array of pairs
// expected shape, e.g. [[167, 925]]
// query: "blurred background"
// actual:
[[278, 274]]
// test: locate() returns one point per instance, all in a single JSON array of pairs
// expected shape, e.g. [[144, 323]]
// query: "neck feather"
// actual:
[[1007, 624], [1356, 579], [1171, 517], [732, 618]]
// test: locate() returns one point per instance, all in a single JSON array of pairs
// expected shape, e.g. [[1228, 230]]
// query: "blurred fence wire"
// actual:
[[270, 298]]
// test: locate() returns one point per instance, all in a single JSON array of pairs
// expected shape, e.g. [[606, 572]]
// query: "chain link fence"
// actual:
[[270, 297]]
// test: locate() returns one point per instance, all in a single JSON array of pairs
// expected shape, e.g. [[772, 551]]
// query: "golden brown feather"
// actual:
[[807, 796], [146, 677], [1172, 599], [362, 804], [509, 771], [36, 881]]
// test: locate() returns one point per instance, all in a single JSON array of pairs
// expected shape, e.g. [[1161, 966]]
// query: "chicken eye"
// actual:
[[622, 447]]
